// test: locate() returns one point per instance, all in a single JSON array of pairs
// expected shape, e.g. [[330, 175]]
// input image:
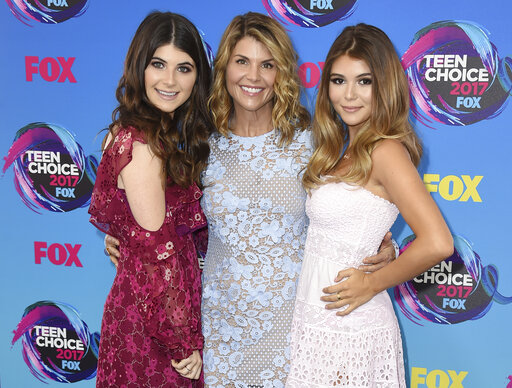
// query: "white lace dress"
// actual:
[[254, 202], [364, 348]]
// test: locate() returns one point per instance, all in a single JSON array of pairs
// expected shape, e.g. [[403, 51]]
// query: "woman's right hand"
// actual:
[[189, 367], [112, 249]]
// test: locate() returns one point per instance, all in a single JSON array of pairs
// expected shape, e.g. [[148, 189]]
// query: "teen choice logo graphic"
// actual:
[[456, 290], [207, 49], [309, 13], [56, 343], [47, 12], [455, 74], [50, 168]]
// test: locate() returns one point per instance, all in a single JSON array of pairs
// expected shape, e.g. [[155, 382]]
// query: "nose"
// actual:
[[350, 92], [169, 77], [253, 72]]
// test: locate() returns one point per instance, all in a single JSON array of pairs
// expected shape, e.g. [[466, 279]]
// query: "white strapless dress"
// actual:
[[364, 348]]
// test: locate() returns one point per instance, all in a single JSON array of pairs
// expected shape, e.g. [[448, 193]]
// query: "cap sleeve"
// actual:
[[115, 157]]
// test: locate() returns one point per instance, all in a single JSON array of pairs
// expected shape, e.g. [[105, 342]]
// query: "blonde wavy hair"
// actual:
[[389, 117], [288, 114]]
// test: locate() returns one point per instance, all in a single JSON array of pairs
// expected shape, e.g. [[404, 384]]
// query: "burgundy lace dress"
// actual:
[[152, 313]]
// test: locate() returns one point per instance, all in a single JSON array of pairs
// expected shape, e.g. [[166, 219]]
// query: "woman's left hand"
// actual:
[[352, 290], [189, 367], [384, 256]]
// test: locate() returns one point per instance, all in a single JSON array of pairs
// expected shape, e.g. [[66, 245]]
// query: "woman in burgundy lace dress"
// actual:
[[146, 195]]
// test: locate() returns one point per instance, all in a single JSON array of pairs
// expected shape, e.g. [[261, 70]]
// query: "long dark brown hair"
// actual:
[[181, 141]]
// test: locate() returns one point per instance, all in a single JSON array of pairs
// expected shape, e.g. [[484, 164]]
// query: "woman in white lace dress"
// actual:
[[362, 114]]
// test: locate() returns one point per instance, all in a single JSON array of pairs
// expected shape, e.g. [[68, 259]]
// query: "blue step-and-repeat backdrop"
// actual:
[[59, 66]]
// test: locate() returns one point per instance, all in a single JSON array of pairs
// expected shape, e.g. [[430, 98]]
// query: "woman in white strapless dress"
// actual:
[[362, 108]]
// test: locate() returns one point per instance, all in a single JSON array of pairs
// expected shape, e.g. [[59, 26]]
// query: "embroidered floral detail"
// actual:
[[254, 202]]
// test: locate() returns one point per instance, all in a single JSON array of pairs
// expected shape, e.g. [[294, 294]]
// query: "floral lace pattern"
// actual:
[[152, 313], [364, 348], [254, 202]]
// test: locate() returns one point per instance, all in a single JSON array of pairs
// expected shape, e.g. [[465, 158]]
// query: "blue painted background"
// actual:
[[99, 38]]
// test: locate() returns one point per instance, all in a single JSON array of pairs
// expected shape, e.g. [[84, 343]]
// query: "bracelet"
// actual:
[[397, 248]]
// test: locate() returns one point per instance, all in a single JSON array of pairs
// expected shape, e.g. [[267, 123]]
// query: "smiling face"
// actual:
[[169, 78], [350, 91], [250, 76]]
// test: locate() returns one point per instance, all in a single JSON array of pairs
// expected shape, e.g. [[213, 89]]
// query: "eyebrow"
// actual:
[[179, 64], [359, 76], [186, 63], [244, 57]]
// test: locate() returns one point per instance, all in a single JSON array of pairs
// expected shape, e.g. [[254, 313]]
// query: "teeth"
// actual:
[[170, 94], [251, 90]]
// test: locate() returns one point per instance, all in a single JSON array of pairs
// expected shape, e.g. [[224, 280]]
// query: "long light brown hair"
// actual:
[[288, 114], [182, 141], [389, 117]]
